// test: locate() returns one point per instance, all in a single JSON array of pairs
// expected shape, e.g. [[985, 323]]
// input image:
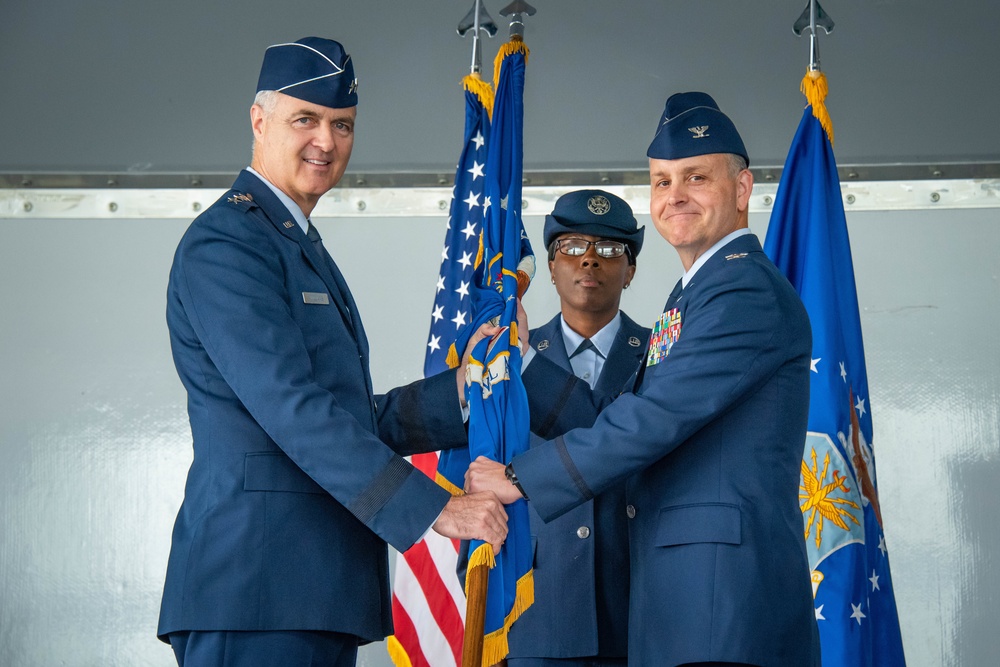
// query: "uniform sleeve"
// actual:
[[423, 416], [566, 401], [231, 282], [734, 336]]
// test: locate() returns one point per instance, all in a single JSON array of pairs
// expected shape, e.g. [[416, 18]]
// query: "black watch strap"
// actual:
[[512, 478]]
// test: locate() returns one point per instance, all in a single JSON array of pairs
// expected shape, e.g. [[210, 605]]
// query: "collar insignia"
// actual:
[[288, 224], [542, 345], [634, 342]]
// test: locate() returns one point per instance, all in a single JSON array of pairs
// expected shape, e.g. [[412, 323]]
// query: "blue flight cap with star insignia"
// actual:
[[595, 213], [692, 124], [313, 69]]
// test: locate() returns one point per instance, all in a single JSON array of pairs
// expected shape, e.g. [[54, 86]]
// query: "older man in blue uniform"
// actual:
[[712, 434], [279, 549]]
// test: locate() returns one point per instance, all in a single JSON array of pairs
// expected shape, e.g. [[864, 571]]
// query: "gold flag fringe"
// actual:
[[814, 87], [515, 45], [475, 85], [495, 647], [396, 652]]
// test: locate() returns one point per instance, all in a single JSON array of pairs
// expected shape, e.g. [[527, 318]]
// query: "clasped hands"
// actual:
[[479, 515]]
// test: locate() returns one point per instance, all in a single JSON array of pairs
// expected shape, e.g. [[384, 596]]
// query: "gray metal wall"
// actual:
[[94, 442], [151, 86]]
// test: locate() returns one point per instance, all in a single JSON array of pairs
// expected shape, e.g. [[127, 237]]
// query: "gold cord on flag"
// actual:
[[814, 87], [515, 45], [475, 85]]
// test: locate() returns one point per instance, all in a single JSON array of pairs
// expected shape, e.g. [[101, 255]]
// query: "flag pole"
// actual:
[[477, 576], [477, 19], [814, 85]]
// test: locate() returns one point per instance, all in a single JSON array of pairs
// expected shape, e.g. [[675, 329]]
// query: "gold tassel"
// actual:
[[452, 359], [814, 87], [475, 85], [396, 652], [515, 45]]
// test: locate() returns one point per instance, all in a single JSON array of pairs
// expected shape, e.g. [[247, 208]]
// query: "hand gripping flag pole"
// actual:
[[428, 603], [499, 587], [843, 524]]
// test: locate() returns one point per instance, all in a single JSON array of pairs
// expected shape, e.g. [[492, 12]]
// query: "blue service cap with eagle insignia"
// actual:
[[313, 69], [595, 213], [692, 124]]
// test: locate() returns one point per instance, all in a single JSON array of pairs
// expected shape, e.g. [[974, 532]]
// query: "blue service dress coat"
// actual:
[[292, 494], [712, 441], [581, 568]]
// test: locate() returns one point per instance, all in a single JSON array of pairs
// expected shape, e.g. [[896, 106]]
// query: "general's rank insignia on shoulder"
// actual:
[[666, 331], [240, 198]]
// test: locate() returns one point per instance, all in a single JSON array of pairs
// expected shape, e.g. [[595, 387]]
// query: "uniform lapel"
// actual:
[[627, 351], [274, 212], [548, 342]]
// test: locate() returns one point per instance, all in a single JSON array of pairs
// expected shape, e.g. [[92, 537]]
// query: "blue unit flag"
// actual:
[[807, 239], [498, 402]]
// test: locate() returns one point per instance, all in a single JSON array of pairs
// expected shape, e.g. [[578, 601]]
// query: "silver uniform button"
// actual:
[[630, 511], [583, 532]]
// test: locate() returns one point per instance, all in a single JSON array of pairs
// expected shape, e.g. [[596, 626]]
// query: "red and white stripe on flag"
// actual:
[[428, 603]]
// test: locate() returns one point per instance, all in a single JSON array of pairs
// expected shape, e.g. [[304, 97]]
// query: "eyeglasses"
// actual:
[[576, 247]]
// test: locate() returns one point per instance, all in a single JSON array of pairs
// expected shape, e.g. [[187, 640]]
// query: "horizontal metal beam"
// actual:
[[565, 178], [434, 202]]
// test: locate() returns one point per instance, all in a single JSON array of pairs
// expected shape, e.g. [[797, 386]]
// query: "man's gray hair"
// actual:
[[736, 164], [266, 100]]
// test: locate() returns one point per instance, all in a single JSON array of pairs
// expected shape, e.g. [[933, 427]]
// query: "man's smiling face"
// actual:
[[302, 148]]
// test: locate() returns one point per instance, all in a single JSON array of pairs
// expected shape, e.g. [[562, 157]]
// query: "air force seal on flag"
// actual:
[[666, 331]]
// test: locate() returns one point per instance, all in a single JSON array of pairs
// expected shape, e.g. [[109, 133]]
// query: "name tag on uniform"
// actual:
[[317, 298]]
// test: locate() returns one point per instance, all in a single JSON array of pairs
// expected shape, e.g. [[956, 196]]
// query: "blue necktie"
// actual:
[[674, 295], [338, 277], [583, 347]]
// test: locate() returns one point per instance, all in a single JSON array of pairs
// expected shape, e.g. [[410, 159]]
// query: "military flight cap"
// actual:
[[595, 213], [692, 124], [313, 69]]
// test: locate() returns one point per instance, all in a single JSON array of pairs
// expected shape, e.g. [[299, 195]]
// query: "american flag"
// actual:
[[428, 604]]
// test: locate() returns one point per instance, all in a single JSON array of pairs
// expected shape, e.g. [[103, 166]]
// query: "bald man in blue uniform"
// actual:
[[711, 436], [279, 549]]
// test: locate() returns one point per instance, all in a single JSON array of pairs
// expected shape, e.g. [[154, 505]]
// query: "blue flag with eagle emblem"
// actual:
[[498, 402], [807, 239]]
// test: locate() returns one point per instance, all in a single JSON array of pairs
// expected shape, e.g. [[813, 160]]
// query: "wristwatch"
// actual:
[[512, 478]]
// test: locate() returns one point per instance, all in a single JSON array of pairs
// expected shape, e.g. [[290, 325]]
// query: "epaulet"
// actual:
[[241, 200]]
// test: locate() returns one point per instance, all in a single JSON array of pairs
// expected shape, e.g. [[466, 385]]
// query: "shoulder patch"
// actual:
[[241, 199]]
